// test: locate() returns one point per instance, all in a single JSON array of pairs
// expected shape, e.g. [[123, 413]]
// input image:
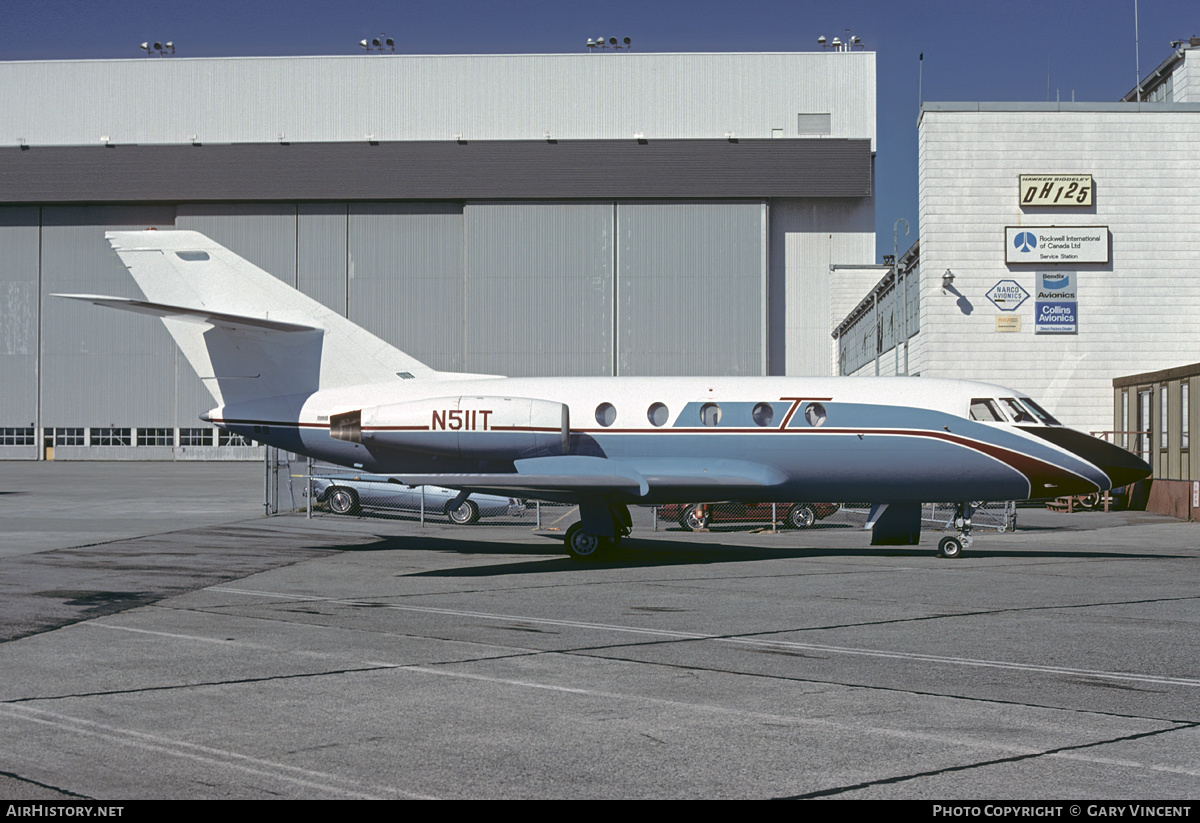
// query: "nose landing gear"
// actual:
[[952, 546]]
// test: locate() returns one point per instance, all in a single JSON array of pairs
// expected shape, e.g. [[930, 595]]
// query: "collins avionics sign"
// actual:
[[1056, 244], [1056, 304]]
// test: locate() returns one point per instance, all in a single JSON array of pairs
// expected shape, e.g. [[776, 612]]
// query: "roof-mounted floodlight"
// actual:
[[365, 44]]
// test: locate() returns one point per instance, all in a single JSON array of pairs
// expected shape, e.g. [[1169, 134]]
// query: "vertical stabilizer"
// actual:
[[246, 361]]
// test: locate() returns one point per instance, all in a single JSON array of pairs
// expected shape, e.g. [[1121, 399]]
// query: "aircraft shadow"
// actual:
[[648, 552]]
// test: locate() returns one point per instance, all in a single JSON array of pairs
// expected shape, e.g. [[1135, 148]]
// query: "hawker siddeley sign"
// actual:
[[1056, 189], [1056, 244]]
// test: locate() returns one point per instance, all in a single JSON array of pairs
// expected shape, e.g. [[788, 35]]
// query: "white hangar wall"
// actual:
[[608, 96], [1137, 312]]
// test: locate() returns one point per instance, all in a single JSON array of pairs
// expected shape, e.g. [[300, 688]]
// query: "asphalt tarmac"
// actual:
[[160, 638]]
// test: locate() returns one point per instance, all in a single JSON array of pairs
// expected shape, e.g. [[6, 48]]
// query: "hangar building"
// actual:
[[1022, 280], [581, 214]]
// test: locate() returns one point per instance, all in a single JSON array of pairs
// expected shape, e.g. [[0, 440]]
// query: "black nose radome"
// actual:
[[1121, 466]]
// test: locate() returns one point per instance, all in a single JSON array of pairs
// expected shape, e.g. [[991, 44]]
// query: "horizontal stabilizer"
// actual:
[[192, 315]]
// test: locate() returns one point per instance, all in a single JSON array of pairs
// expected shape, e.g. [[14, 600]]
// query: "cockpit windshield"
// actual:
[[1043, 415], [985, 409], [1006, 409], [1016, 411]]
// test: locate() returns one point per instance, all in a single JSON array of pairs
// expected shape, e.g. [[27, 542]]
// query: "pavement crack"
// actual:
[[983, 763], [200, 684], [30, 782]]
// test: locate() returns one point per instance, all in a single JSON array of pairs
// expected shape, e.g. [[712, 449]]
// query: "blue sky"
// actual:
[[974, 49]]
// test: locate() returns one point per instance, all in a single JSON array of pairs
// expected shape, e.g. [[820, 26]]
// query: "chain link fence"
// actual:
[[321, 490]]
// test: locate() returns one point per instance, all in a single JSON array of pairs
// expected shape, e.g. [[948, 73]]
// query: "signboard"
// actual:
[[1056, 189], [1056, 244], [1008, 322], [1007, 295], [1056, 304]]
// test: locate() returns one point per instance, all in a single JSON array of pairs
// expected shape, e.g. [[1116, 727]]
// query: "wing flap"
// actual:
[[583, 475]]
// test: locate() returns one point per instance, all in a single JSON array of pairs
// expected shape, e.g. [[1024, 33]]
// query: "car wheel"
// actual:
[[343, 501], [801, 516], [1090, 501], [464, 515], [695, 518]]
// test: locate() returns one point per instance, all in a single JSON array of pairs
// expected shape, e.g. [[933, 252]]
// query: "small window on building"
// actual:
[[985, 409], [606, 414], [111, 437], [1183, 414], [710, 414], [1125, 419], [19, 436], [226, 438], [156, 437], [69, 437], [195, 437], [658, 414], [814, 413], [763, 414], [814, 123], [1162, 417]]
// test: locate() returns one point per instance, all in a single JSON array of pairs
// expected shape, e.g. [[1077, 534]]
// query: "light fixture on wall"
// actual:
[[947, 280]]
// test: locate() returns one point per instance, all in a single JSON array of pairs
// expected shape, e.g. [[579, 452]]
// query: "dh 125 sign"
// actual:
[[1056, 189]]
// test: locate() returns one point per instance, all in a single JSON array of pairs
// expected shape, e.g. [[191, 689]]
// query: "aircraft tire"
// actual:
[[343, 501], [583, 546], [801, 516], [464, 515], [950, 547], [694, 520]]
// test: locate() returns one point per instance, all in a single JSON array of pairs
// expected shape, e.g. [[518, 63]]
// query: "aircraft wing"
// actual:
[[587, 476]]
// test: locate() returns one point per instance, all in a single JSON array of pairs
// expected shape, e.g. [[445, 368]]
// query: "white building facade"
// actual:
[[1109, 291]]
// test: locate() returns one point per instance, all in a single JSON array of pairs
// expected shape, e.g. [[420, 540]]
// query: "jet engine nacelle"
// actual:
[[502, 428]]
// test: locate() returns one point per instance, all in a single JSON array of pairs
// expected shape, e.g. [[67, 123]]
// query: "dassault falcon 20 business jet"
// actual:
[[287, 371]]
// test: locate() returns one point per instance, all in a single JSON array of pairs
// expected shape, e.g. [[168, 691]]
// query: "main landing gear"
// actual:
[[952, 546], [599, 530]]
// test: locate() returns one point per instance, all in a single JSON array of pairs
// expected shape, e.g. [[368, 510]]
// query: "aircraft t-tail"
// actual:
[[285, 370]]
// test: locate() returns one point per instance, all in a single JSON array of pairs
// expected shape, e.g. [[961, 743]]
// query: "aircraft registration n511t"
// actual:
[[285, 370]]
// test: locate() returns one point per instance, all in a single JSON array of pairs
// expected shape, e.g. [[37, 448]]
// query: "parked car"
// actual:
[[694, 516], [350, 494]]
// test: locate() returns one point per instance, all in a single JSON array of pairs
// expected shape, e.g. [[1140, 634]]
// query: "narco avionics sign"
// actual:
[[1056, 244]]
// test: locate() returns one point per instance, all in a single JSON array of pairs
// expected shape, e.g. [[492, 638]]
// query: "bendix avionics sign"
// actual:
[[1056, 303], [1056, 244]]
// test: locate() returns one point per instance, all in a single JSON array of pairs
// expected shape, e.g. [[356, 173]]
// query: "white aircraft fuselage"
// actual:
[[289, 372]]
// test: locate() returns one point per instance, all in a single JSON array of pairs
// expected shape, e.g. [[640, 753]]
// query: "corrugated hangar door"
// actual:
[[19, 273], [691, 288], [404, 277], [539, 288]]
